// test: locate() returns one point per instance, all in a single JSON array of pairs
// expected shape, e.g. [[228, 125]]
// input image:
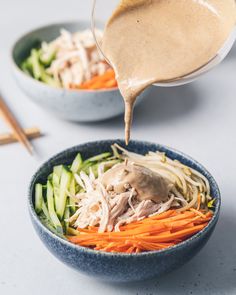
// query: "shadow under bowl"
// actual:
[[121, 267], [72, 105]]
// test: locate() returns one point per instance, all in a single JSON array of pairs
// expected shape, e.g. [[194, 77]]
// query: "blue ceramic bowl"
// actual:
[[73, 105], [121, 267]]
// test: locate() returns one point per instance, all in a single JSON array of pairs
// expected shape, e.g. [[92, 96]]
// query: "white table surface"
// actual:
[[198, 119]]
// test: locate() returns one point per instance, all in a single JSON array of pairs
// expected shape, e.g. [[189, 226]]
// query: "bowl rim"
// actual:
[[46, 86], [166, 251]]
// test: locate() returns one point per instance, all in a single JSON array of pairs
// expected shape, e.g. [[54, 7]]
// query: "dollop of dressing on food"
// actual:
[[147, 184], [148, 41]]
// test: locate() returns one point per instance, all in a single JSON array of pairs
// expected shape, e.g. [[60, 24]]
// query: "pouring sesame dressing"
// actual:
[[150, 41]]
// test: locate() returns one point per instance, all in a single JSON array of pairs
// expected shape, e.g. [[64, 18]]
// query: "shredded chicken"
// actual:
[[102, 206], [77, 59]]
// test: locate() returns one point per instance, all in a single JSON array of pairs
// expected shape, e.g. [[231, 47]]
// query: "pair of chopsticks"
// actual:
[[18, 133], [31, 133]]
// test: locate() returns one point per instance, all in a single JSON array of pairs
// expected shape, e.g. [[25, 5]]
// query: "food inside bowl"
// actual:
[[125, 202], [71, 61]]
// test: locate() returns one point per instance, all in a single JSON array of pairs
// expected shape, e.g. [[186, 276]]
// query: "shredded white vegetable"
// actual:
[[185, 177]]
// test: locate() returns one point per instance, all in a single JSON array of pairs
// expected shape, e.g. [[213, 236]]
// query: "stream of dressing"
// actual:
[[148, 41]]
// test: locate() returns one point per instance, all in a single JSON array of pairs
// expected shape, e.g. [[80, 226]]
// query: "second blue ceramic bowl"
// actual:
[[72, 105], [121, 267]]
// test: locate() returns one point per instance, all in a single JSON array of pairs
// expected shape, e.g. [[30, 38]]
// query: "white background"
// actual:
[[198, 119]]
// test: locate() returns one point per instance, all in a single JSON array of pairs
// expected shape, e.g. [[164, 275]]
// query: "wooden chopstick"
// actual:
[[14, 125], [31, 133]]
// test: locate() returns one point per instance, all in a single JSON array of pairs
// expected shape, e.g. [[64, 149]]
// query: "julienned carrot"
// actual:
[[199, 200], [198, 212], [105, 77], [153, 233], [172, 216], [105, 81], [111, 83]]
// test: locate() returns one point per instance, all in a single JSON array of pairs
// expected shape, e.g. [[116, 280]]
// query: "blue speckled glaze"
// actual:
[[121, 267]]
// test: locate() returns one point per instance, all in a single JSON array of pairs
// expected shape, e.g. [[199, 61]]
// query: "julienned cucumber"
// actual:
[[45, 210], [73, 193], [56, 177], [39, 201], [51, 209], [66, 176], [72, 231], [98, 158], [33, 66], [66, 216], [36, 66], [48, 79], [38, 197], [55, 202], [77, 164]]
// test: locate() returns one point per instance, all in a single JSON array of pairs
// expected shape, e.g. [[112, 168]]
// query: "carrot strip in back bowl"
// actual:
[[105, 81]]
